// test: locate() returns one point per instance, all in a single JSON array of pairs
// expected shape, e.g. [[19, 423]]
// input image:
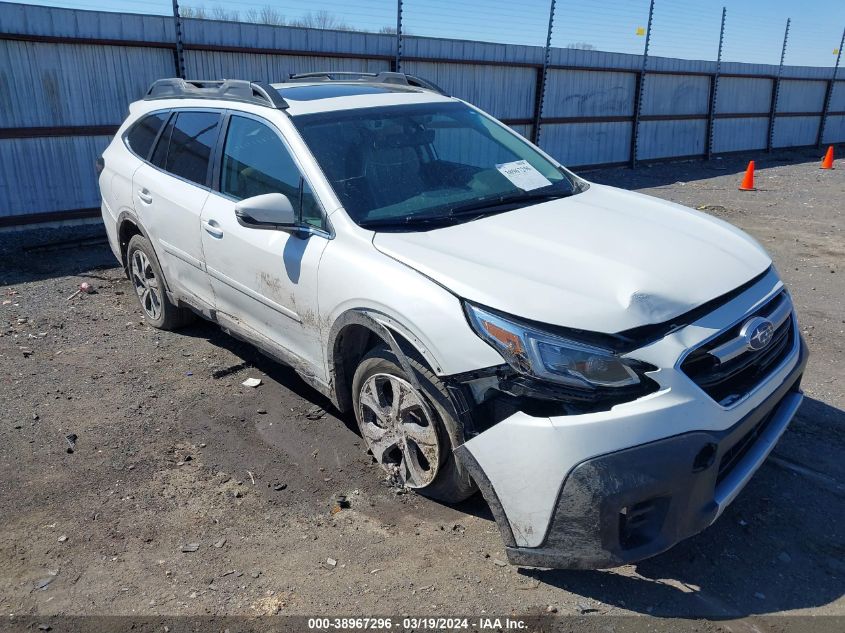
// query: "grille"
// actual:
[[730, 380]]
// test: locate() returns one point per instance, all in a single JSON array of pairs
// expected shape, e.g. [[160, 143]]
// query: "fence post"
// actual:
[[829, 94], [180, 52], [541, 79], [776, 90], [640, 87], [397, 63], [714, 88]]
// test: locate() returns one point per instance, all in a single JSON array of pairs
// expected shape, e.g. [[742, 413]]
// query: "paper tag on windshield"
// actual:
[[522, 174]]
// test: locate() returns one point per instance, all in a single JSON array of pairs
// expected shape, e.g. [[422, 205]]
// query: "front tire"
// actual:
[[148, 281], [411, 432]]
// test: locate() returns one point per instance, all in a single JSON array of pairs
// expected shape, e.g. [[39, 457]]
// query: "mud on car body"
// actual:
[[609, 369]]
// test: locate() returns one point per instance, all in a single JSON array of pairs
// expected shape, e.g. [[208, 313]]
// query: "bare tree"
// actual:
[[193, 12], [388, 30], [220, 13], [269, 15], [321, 20]]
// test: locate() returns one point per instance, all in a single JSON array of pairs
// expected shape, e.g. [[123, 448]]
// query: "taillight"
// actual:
[[99, 165]]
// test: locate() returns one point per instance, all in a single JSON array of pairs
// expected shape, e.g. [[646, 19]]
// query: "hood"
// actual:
[[605, 260]]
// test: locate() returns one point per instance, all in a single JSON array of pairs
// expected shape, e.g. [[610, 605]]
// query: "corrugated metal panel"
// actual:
[[49, 174], [681, 65], [737, 95], [586, 93], [663, 139], [834, 131], [213, 65], [749, 69], [73, 84], [795, 131], [522, 130], [801, 96], [285, 38], [734, 135], [812, 72], [595, 59], [466, 49], [576, 144], [22, 18], [676, 94], [504, 92], [837, 97]]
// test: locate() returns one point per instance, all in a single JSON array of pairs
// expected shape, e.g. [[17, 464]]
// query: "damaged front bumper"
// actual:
[[612, 487]]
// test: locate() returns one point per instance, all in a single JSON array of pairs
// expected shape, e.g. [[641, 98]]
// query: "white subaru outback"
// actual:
[[609, 369]]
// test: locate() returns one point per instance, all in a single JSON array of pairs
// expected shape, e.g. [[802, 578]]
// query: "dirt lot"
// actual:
[[169, 455]]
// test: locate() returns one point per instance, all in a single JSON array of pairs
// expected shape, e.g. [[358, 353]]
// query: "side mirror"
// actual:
[[267, 211]]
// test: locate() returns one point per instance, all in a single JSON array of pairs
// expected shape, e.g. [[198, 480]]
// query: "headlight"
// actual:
[[546, 356]]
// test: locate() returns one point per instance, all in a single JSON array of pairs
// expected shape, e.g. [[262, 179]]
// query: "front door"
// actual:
[[265, 281]]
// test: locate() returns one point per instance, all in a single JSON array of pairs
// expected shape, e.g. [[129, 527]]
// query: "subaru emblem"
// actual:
[[757, 333]]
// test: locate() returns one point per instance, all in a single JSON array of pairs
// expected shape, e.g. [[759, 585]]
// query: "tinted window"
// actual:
[[191, 141], [401, 163], [256, 161], [142, 135]]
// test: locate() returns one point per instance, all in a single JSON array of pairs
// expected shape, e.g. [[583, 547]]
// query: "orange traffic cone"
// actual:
[[748, 181], [827, 163]]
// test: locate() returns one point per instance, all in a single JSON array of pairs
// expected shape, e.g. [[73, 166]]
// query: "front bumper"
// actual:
[[608, 488]]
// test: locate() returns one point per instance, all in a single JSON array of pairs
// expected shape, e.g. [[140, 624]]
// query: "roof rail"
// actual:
[[256, 92], [385, 77]]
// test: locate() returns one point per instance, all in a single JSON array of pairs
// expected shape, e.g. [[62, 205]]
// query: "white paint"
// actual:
[[603, 260]]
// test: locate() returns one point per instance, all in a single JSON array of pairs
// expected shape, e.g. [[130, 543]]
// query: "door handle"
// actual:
[[212, 228], [145, 197]]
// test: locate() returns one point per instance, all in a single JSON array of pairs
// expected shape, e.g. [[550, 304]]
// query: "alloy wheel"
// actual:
[[399, 429], [146, 285]]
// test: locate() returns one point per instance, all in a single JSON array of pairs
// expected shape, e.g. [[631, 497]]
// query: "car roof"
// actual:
[[325, 96]]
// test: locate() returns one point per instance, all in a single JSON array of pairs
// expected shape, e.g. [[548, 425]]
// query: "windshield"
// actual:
[[399, 166]]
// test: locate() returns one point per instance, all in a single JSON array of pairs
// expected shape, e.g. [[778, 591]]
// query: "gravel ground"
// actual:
[[170, 458]]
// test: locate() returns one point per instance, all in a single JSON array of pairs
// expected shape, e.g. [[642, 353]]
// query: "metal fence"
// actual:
[[67, 75]]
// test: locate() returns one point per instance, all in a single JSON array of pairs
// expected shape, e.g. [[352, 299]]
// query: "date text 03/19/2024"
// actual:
[[417, 624]]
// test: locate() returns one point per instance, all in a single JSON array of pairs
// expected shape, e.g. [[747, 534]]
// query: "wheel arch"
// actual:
[[356, 332], [128, 226]]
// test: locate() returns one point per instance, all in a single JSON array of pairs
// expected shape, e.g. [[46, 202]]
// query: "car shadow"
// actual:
[[251, 356]]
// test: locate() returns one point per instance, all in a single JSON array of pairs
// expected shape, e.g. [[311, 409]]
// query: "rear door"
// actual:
[[169, 193]]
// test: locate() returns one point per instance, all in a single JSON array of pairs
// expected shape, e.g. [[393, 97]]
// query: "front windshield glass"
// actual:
[[427, 163]]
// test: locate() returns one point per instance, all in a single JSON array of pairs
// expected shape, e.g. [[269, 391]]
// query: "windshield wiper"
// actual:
[[493, 203], [408, 221], [478, 209]]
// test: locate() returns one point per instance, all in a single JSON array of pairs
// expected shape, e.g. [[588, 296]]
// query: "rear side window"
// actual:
[[191, 140], [142, 135]]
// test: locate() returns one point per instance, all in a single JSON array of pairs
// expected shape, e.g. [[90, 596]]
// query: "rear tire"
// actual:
[[146, 277], [410, 432]]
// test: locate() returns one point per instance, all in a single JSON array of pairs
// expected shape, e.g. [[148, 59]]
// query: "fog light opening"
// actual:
[[705, 458]]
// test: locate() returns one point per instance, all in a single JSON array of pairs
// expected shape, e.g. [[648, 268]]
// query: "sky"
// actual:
[[754, 29]]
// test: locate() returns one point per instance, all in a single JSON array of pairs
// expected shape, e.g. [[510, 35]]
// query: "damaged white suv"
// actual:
[[608, 368]]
